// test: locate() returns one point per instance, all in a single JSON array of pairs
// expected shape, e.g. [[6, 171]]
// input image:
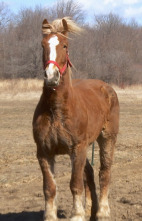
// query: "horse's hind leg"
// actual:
[[49, 187], [91, 202], [106, 141]]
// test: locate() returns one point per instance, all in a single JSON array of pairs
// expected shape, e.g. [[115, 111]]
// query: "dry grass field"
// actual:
[[21, 196]]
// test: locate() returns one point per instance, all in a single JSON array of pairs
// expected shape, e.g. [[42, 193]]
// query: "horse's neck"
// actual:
[[67, 81]]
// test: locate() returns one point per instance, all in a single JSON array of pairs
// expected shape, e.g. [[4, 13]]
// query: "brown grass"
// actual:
[[20, 85], [25, 89]]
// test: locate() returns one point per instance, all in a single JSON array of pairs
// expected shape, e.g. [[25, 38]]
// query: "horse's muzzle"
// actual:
[[52, 79]]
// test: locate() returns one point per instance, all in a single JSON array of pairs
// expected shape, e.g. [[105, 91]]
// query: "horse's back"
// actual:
[[99, 90], [89, 84], [100, 99]]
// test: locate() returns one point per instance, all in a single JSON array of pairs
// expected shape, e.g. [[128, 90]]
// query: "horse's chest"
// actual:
[[53, 135]]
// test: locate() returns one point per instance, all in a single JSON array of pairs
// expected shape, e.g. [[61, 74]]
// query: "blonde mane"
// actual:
[[57, 26]]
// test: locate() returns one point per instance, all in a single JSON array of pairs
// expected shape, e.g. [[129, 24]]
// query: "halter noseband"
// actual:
[[61, 70]]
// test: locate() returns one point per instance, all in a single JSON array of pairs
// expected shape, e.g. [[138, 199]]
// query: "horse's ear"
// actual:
[[44, 22], [65, 25], [46, 28]]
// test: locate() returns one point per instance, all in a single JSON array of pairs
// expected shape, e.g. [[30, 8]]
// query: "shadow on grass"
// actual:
[[28, 216]]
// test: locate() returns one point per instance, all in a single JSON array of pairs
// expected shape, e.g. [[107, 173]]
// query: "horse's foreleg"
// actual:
[[78, 158], [91, 202], [106, 143], [49, 188]]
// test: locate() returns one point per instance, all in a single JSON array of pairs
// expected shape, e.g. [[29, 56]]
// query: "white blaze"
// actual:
[[53, 42]]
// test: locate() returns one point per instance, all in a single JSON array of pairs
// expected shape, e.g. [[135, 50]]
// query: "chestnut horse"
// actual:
[[71, 115]]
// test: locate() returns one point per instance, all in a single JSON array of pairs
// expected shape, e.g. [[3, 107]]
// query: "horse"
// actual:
[[70, 115]]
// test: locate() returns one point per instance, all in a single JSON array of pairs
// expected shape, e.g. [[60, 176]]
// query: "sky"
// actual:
[[127, 9]]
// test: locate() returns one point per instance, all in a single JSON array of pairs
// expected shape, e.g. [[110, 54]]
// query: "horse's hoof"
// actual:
[[103, 212], [77, 218], [103, 219], [50, 218]]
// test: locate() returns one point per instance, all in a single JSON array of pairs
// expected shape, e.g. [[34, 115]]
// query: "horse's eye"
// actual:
[[65, 46]]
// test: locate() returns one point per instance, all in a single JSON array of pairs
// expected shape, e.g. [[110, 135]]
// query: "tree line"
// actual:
[[109, 49]]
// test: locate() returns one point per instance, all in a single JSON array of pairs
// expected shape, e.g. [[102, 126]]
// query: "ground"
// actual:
[[21, 196]]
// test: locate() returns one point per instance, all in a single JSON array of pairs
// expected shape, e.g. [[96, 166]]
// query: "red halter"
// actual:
[[61, 70]]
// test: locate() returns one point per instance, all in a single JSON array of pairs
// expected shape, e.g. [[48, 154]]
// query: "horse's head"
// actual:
[[55, 49]]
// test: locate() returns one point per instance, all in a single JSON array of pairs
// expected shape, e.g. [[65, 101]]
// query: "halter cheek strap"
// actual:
[[61, 70]]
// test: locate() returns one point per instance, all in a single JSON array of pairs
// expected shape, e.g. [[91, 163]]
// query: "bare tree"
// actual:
[[110, 49], [69, 8], [4, 15]]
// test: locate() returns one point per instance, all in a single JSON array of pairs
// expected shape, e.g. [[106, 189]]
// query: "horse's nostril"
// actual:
[[45, 74], [57, 74]]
